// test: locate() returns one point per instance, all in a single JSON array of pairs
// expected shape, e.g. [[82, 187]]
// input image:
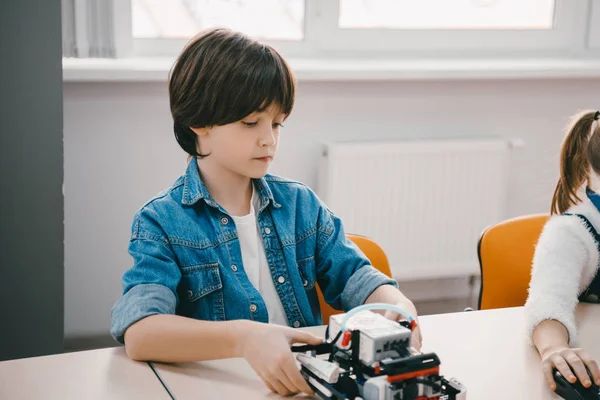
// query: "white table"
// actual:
[[97, 374], [486, 350]]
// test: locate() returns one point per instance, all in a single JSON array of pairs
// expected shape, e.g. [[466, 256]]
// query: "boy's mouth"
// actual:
[[264, 159]]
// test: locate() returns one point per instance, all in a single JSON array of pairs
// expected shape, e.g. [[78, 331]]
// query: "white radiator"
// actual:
[[425, 202]]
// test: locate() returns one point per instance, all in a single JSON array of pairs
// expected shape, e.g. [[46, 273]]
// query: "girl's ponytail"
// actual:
[[580, 149]]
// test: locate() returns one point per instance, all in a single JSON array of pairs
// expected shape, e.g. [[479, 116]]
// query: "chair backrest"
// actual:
[[376, 256], [506, 252]]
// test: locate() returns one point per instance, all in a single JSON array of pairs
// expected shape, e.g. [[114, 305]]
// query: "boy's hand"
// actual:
[[416, 340], [390, 295], [566, 360], [267, 350]]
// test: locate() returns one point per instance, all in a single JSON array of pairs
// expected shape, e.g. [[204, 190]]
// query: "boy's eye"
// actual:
[[249, 124], [277, 125]]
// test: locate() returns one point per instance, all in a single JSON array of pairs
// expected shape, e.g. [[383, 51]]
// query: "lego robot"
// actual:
[[370, 358]]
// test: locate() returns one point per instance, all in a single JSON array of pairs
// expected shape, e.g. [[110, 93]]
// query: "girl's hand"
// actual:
[[267, 349], [568, 360]]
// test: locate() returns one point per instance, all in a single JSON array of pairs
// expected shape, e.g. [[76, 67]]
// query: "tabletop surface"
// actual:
[[487, 351], [95, 374]]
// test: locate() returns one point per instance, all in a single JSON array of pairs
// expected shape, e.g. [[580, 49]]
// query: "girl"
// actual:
[[566, 257], [226, 260]]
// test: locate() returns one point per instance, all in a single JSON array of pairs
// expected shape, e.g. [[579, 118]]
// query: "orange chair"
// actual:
[[505, 255], [378, 259]]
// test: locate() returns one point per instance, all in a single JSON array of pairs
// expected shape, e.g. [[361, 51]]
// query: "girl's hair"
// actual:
[[222, 76], [580, 151]]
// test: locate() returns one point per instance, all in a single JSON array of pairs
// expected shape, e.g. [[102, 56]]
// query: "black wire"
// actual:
[[402, 351], [336, 336]]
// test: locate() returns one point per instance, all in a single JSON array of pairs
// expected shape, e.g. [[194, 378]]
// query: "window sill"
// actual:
[[157, 69]]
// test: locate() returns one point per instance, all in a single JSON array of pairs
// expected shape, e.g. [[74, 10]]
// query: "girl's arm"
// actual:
[[563, 251], [551, 340], [550, 334]]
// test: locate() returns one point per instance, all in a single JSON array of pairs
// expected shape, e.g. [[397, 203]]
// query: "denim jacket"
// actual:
[[187, 258]]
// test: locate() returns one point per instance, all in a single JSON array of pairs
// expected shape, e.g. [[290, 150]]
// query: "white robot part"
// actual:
[[378, 335], [324, 369], [379, 388]]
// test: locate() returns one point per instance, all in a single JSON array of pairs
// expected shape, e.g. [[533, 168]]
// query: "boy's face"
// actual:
[[245, 147]]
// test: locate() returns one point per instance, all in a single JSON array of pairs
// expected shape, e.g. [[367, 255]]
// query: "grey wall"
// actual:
[[31, 177], [120, 151]]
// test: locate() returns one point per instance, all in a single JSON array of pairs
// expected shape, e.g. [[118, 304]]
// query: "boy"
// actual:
[[227, 259]]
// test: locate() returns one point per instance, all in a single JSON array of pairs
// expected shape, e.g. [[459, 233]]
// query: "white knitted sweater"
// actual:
[[565, 263]]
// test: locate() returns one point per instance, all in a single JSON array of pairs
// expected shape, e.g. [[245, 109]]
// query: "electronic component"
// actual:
[[370, 358]]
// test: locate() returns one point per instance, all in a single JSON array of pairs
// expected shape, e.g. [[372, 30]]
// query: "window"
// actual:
[[465, 27], [444, 14], [265, 19], [367, 28], [163, 27]]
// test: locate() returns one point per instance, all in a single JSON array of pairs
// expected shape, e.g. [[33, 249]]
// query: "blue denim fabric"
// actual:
[[187, 258]]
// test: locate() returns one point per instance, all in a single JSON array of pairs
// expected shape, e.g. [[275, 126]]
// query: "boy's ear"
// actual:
[[200, 131]]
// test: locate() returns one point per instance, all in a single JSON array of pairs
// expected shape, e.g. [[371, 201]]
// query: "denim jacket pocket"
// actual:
[[307, 270], [201, 280]]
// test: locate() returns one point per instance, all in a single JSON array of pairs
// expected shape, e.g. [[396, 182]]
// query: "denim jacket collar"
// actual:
[[194, 189]]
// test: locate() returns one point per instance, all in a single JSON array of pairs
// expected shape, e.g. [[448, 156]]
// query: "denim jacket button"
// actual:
[[190, 293], [296, 324], [305, 283], [267, 231], [224, 221], [281, 279], [234, 268], [252, 307], [593, 298]]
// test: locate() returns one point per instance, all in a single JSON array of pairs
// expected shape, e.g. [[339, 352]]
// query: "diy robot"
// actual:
[[370, 358]]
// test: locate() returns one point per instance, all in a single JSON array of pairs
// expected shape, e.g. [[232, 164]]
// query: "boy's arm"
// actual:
[[390, 295], [144, 317], [347, 278], [173, 338], [266, 347], [345, 275]]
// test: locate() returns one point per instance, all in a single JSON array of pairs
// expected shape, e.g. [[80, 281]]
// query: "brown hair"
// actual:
[[222, 76], [580, 151]]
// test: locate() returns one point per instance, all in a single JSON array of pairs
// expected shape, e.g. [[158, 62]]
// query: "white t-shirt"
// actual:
[[255, 262]]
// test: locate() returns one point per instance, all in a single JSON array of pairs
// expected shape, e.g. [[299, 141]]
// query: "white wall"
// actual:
[[120, 151]]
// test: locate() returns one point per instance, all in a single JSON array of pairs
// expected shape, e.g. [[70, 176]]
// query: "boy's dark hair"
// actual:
[[221, 77]]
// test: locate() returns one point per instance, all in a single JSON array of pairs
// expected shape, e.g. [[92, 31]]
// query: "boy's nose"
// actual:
[[267, 139]]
